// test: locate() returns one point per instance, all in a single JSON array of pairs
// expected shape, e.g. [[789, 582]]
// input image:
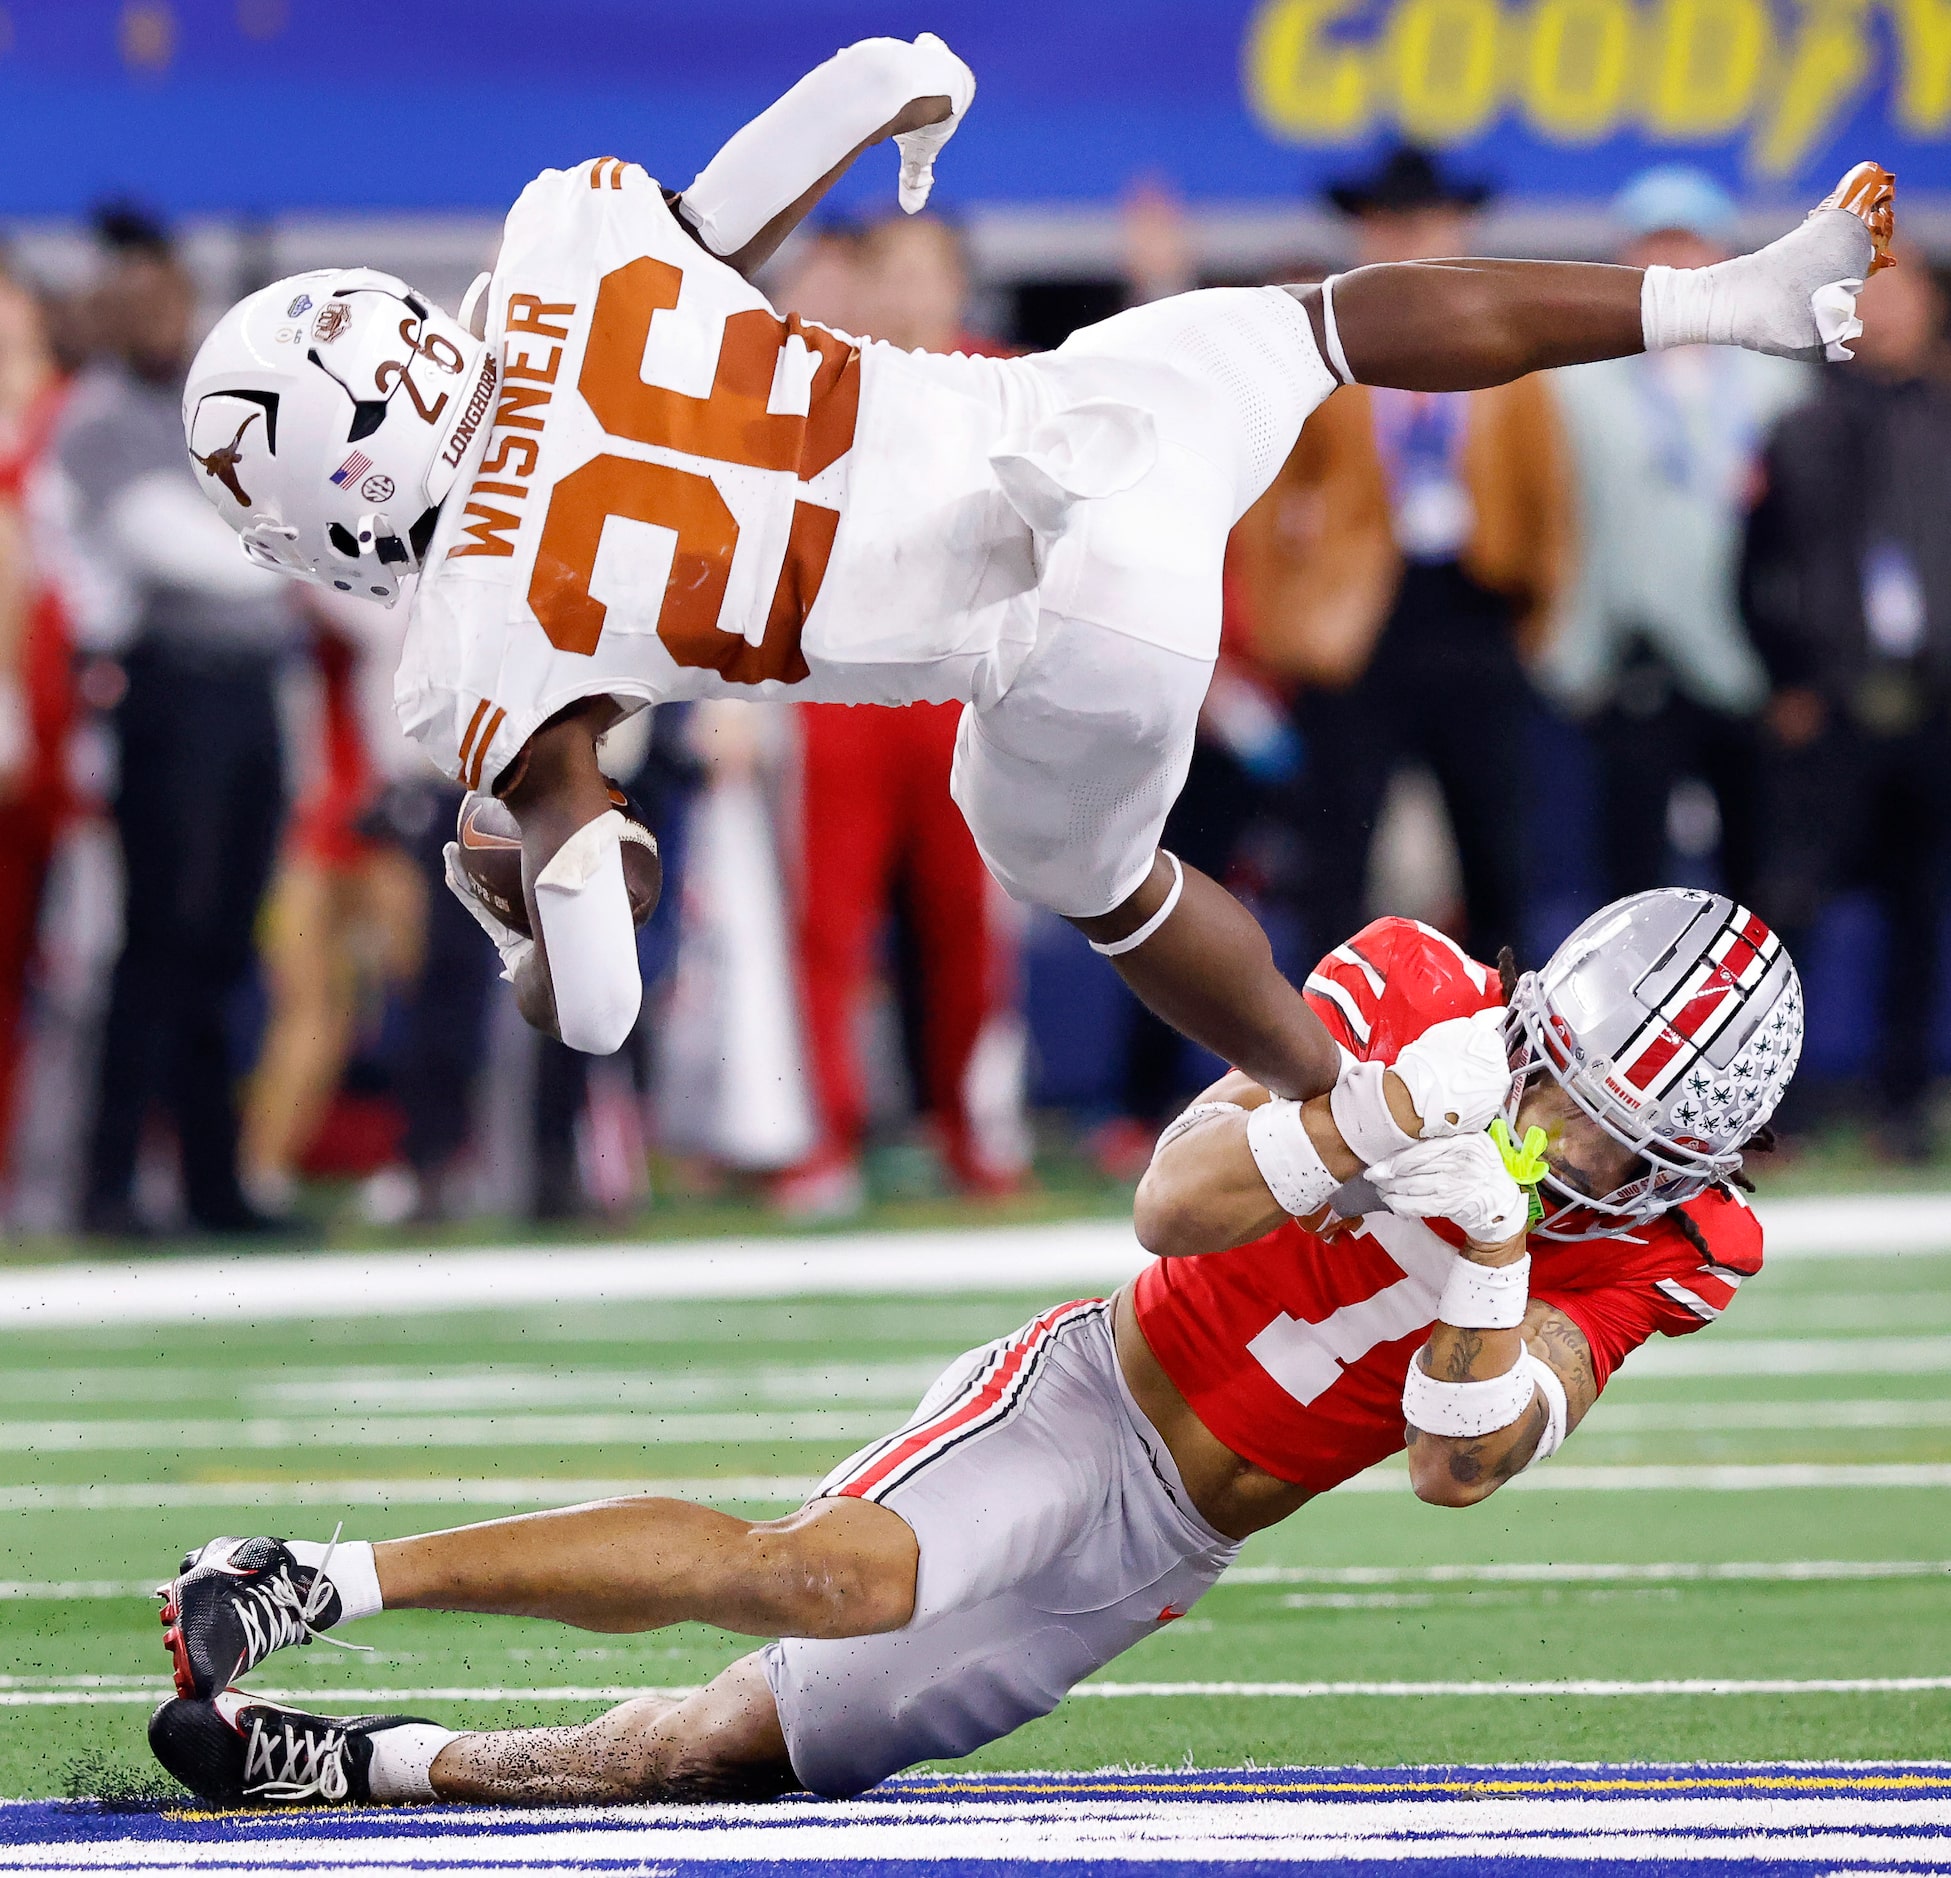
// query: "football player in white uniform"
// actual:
[[623, 478]]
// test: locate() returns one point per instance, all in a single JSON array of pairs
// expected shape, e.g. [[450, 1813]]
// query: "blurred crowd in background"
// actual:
[[1489, 660]]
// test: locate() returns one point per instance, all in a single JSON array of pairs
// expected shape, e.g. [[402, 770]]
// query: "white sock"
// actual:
[[403, 1758], [353, 1575]]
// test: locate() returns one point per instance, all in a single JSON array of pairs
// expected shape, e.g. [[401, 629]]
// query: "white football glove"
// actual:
[[945, 76], [515, 950], [1461, 1178], [1458, 1074]]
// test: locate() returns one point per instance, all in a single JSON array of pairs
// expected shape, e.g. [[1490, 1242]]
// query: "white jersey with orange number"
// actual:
[[680, 494]]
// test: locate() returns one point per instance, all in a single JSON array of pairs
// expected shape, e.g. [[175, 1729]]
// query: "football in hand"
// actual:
[[490, 842]]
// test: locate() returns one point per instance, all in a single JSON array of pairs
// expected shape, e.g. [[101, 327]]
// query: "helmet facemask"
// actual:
[[1673, 1021]]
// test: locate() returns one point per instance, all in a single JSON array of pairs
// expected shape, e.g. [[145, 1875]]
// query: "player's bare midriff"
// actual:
[[1232, 1494]]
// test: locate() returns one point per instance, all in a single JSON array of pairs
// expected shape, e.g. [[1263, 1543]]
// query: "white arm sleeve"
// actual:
[[590, 938], [834, 109]]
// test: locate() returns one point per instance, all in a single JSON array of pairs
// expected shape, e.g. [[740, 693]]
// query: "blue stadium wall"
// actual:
[[266, 106]]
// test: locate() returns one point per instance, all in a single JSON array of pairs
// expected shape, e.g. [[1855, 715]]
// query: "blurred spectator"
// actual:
[[1652, 652], [346, 915], [819, 276], [440, 1048], [877, 828], [36, 704], [1848, 589], [1434, 528], [155, 577]]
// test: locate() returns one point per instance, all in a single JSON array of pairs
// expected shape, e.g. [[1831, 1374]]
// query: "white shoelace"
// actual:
[[313, 1765], [273, 1615]]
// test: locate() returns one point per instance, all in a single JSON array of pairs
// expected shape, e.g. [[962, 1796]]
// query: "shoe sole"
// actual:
[[1869, 192], [179, 1655]]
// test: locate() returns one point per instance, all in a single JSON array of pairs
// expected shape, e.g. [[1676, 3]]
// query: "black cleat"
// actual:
[[234, 1602], [241, 1750]]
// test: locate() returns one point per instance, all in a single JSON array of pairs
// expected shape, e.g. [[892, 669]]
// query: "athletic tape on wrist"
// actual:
[[1192, 1117], [1115, 948], [1337, 358], [1361, 1111], [1461, 1409], [1486, 1297], [1288, 1160], [1551, 1386]]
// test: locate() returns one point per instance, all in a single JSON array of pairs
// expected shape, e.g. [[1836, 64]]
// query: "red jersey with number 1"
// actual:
[[1293, 1349]]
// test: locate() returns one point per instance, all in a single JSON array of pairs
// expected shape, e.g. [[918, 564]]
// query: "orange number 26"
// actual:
[[731, 426]]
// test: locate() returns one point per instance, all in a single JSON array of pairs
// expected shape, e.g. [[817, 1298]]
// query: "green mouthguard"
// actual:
[[1526, 1164]]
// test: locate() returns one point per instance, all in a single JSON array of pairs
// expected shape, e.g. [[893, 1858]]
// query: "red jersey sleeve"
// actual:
[[1391, 982], [1682, 1277]]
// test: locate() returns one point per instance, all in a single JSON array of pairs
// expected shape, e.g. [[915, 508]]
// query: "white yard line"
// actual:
[[709, 1427], [1735, 1355], [651, 1428], [1522, 1572], [1716, 1418], [1045, 1259], [160, 1495], [151, 1496], [82, 1691]]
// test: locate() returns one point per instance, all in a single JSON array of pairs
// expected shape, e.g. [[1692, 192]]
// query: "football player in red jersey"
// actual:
[[1330, 1288]]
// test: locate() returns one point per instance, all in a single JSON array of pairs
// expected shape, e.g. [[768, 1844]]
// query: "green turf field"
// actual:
[[110, 1438]]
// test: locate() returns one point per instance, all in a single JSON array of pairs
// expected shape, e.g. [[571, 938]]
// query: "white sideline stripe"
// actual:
[[1788, 1571], [86, 1691], [1833, 1843], [1044, 1258], [846, 1426], [155, 1496], [1041, 1259], [1667, 1571]]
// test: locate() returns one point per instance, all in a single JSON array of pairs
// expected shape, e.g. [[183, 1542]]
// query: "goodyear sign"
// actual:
[[1764, 88], [265, 106]]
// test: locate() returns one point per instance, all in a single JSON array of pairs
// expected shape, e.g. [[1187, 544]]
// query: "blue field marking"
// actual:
[[1808, 1820]]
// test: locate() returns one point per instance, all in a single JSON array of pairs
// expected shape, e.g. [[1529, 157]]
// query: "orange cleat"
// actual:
[[1868, 192]]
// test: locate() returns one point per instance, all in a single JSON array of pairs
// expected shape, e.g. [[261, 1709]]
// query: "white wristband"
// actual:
[[1460, 1409], [1337, 358], [1361, 1112], [1551, 1386], [1677, 308], [1113, 948], [1288, 1160], [1486, 1297]]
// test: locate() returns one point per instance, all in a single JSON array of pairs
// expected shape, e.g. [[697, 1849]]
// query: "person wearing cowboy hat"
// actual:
[[1405, 565]]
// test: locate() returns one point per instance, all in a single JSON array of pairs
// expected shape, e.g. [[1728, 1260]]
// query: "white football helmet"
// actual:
[[327, 416], [1674, 1020]]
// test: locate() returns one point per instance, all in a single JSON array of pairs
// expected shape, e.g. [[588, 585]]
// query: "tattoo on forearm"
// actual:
[[1465, 1347]]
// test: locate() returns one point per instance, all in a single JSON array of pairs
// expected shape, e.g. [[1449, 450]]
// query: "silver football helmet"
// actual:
[[1674, 1020]]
